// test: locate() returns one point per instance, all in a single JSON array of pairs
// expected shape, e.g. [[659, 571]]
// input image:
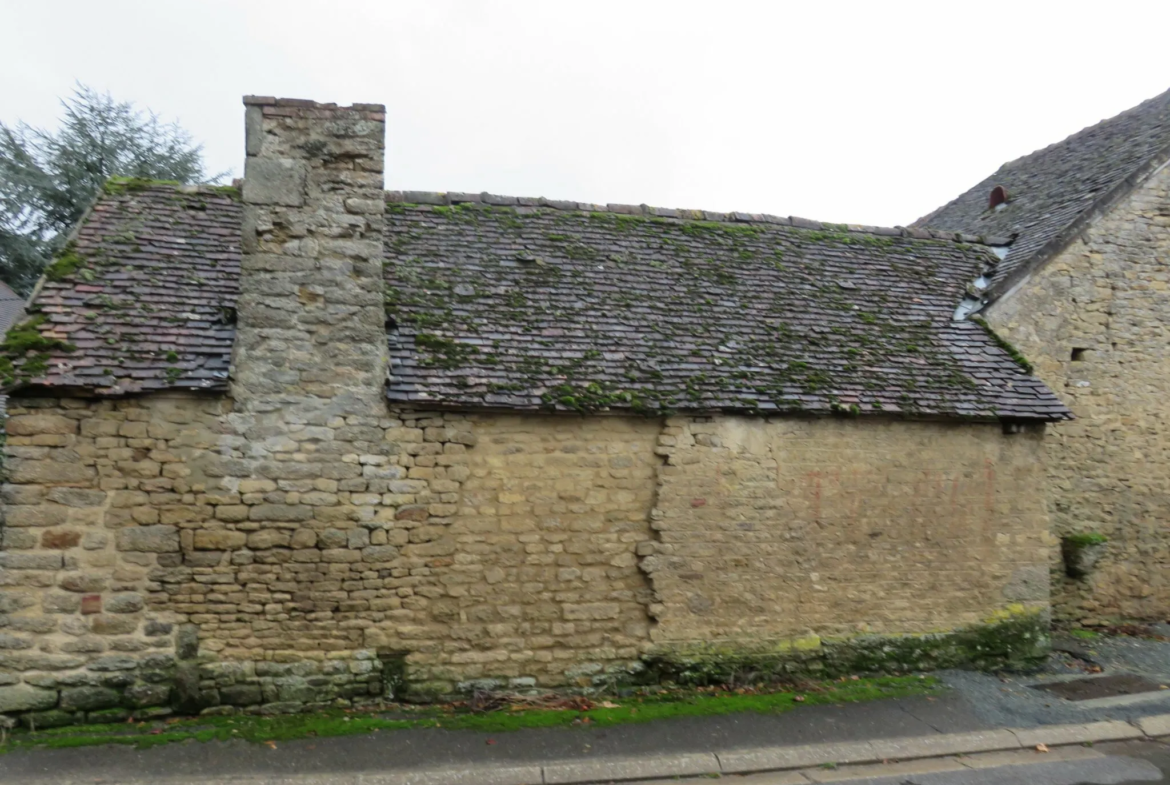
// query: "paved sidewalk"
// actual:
[[901, 730], [902, 717]]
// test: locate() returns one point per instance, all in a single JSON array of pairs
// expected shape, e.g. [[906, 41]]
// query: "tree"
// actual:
[[48, 179]]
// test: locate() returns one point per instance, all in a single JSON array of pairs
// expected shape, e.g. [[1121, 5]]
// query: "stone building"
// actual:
[[318, 442], [1084, 292]]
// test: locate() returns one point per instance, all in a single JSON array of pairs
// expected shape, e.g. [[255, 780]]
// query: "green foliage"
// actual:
[[48, 178], [1085, 539]]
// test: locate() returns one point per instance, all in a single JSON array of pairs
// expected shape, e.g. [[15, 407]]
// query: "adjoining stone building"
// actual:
[[1084, 292], [316, 442]]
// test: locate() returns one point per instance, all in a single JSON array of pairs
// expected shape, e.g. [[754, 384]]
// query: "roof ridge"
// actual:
[[452, 198], [1162, 96]]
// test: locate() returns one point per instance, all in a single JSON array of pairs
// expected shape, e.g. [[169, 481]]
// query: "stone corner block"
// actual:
[[275, 181]]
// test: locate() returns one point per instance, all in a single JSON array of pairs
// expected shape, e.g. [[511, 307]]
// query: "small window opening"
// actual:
[[1078, 355], [999, 198]]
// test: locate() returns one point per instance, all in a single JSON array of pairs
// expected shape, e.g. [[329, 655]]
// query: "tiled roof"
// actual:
[[146, 292], [531, 304], [1053, 190], [11, 304]]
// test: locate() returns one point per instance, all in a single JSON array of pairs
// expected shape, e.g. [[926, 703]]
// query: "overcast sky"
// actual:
[[868, 112]]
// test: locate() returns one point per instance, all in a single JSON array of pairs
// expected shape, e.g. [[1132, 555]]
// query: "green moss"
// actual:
[[25, 352], [1087, 635], [444, 352], [1002, 343], [230, 191], [1085, 539], [1018, 642], [117, 186], [644, 705], [65, 264]]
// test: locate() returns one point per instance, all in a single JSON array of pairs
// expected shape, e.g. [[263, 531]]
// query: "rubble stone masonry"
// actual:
[[141, 569], [1095, 321]]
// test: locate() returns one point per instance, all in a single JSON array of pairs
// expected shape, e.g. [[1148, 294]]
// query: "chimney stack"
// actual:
[[311, 336]]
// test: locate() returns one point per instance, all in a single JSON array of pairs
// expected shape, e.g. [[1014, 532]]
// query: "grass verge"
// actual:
[[647, 706]]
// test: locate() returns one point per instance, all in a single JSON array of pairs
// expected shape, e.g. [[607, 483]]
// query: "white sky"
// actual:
[[868, 112]]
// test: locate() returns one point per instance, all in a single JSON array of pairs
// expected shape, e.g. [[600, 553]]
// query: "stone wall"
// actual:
[[1095, 321], [146, 566], [98, 495], [791, 530], [541, 579]]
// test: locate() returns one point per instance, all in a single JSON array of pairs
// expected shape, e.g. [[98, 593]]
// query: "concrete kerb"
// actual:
[[765, 759]]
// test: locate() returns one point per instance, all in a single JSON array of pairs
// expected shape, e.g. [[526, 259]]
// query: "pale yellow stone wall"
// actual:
[[1109, 295], [541, 578], [528, 549], [792, 528]]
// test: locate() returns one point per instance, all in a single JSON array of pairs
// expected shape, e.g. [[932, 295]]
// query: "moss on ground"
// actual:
[[647, 705]]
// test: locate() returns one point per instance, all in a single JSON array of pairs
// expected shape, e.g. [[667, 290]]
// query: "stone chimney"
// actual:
[[311, 335]]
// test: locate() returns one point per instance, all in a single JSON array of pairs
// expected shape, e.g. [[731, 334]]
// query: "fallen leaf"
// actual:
[[1041, 748], [155, 732], [611, 705], [271, 744], [798, 698], [490, 741]]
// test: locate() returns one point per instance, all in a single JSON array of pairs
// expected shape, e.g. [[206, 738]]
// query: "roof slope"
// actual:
[[11, 304], [534, 306], [1051, 189], [145, 293]]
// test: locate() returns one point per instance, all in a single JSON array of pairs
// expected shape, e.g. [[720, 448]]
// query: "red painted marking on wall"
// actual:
[[698, 502], [91, 603]]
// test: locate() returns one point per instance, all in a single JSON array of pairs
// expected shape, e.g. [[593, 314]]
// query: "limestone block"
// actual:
[[22, 697], [148, 539], [219, 540], [275, 181], [84, 582], [125, 602], [32, 424], [269, 538], [89, 698], [16, 560]]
